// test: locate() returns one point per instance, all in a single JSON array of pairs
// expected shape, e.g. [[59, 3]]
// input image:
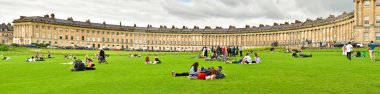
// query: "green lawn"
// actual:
[[327, 72]]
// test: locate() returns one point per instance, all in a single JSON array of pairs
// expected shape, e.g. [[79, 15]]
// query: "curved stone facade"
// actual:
[[68, 32]]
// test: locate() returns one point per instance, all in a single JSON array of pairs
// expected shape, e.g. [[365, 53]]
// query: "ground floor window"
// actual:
[[377, 35], [366, 36]]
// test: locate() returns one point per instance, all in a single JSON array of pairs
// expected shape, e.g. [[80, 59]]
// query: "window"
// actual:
[[378, 2], [37, 35], [366, 36], [378, 19], [82, 38], [377, 36], [366, 3], [60, 37], [77, 37], [366, 20]]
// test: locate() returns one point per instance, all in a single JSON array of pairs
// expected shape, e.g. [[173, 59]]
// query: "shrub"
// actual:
[[15, 45], [4, 47]]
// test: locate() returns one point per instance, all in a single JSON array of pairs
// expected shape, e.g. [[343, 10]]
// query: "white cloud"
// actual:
[[176, 12]]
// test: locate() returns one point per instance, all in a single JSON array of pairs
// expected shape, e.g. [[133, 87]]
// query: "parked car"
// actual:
[[79, 48], [68, 47], [339, 44], [106, 48], [90, 48], [32, 46], [51, 47], [357, 44], [377, 43]]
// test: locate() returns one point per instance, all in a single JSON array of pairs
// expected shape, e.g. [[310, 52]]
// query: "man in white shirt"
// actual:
[[349, 49], [247, 59]]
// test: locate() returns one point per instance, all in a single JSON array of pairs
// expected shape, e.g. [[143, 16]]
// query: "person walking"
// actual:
[[371, 48], [349, 49]]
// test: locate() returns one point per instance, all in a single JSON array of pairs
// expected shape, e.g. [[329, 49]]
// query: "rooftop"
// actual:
[[50, 19]]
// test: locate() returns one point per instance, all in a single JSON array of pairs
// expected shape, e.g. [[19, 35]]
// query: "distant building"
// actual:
[[362, 25], [6, 31]]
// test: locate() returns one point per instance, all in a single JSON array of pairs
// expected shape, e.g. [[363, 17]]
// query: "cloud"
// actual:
[[176, 12]]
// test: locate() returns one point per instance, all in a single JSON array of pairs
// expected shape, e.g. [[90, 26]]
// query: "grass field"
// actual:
[[327, 72]]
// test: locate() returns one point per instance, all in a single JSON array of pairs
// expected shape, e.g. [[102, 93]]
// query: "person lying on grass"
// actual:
[[358, 54], [209, 74], [256, 61], [134, 55], [192, 72], [6, 58], [32, 59], [302, 55], [202, 74]]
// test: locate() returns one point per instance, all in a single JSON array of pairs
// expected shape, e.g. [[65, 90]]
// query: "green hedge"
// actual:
[[4, 47]]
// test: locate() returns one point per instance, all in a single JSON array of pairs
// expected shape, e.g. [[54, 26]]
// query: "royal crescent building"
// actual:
[[6, 31], [361, 25]]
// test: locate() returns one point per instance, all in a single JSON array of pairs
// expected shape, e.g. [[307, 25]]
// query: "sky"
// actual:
[[180, 13]]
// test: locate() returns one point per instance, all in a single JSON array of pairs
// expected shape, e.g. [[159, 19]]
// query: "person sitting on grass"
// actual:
[[30, 59], [147, 60], [219, 74], [257, 59], [358, 54], [90, 64], [192, 72], [294, 54], [49, 55], [41, 58], [247, 59], [78, 66], [156, 60]]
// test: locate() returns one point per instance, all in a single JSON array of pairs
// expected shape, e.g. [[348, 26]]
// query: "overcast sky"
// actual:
[[177, 12]]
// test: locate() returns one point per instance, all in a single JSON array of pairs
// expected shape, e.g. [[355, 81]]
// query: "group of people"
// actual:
[[247, 59], [226, 51], [349, 49], [70, 56], [156, 60], [202, 74], [301, 55], [81, 66], [134, 56], [38, 57]]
